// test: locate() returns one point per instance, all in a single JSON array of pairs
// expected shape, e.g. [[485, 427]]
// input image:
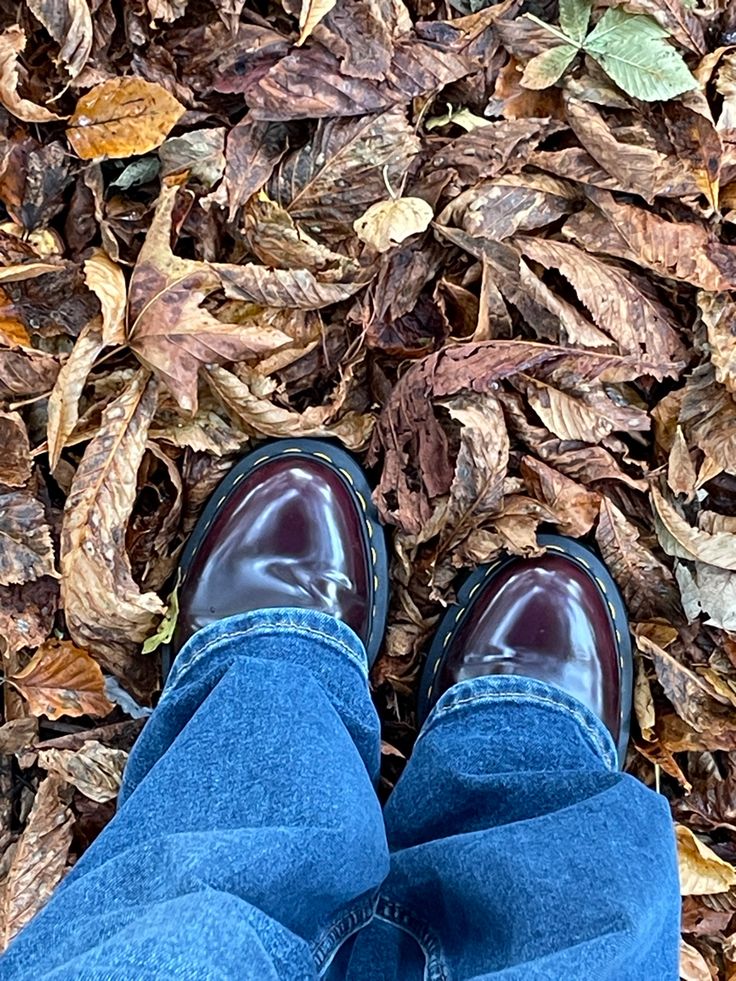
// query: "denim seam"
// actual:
[[262, 629], [527, 697], [435, 968], [327, 945]]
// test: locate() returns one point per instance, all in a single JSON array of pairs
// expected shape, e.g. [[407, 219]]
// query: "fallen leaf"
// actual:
[[719, 315], [682, 540], [18, 734], [104, 607], [26, 550], [63, 404], [330, 182], [62, 679], [575, 507], [647, 585], [15, 466], [643, 702], [686, 251], [252, 151], [106, 280], [38, 859], [482, 460], [199, 153], [702, 872], [693, 966], [12, 44], [170, 331], [249, 403], [311, 13], [122, 117], [27, 613], [94, 769], [387, 223], [710, 591], [681, 476], [708, 417], [70, 24]]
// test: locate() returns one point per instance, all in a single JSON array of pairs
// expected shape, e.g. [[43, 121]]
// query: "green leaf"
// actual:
[[574, 17], [168, 623], [546, 68], [632, 49]]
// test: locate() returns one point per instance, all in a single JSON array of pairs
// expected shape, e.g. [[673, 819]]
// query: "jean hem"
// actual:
[[295, 622], [490, 690]]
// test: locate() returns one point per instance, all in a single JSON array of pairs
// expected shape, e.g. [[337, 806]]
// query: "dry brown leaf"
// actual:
[[38, 859], [249, 403], [12, 44], [708, 418], [647, 586], [482, 460], [105, 610], [94, 769], [62, 679], [311, 13], [632, 318], [685, 251], [69, 23], [706, 589], [702, 872], [63, 405], [122, 117], [171, 332], [26, 549], [387, 223], [643, 702], [681, 476], [15, 465], [693, 966], [588, 419], [719, 315], [575, 507], [106, 280], [682, 540]]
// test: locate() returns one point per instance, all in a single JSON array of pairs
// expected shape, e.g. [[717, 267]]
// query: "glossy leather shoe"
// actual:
[[558, 618], [293, 524]]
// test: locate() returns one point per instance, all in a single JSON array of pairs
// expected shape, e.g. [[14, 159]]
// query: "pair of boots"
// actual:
[[293, 525]]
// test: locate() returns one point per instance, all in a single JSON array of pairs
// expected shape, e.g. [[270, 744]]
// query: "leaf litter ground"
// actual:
[[491, 249]]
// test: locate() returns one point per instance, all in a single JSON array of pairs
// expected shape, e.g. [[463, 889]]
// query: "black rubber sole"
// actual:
[[347, 468], [594, 568]]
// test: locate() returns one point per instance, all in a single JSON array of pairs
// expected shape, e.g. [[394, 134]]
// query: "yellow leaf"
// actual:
[[310, 15], [122, 117], [388, 223], [702, 872], [62, 679]]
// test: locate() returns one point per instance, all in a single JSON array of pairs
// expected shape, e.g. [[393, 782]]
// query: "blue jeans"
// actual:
[[250, 844]]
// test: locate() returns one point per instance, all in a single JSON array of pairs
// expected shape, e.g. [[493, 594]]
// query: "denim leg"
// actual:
[[249, 841], [518, 850]]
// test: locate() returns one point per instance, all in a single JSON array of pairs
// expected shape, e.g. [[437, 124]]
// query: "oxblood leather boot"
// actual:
[[558, 618], [293, 524]]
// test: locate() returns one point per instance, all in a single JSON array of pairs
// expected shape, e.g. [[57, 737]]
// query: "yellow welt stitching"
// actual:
[[347, 475], [322, 456]]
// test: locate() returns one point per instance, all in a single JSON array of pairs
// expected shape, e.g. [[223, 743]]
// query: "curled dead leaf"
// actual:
[[12, 44], [95, 770], [702, 872], [105, 278]]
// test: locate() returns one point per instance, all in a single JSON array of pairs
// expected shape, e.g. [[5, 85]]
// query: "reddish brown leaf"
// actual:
[[62, 679]]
